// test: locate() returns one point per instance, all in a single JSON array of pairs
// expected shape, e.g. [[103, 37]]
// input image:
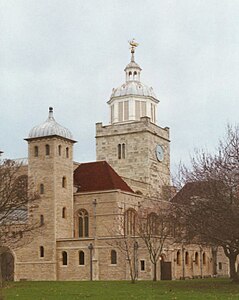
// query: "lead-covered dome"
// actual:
[[50, 127], [133, 88]]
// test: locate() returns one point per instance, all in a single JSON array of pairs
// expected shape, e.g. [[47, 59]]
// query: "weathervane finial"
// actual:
[[133, 44]]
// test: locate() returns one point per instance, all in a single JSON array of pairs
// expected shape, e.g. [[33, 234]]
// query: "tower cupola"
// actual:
[[50, 128], [133, 99]]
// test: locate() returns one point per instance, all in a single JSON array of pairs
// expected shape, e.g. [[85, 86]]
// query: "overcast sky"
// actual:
[[70, 54]]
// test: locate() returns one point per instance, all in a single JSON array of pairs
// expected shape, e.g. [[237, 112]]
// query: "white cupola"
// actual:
[[133, 99]]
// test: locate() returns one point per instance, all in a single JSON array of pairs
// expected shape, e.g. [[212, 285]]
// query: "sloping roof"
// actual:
[[200, 189], [98, 176]]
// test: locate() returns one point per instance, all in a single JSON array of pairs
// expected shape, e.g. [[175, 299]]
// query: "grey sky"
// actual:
[[70, 54]]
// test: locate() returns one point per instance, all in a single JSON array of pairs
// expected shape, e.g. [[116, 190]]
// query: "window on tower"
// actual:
[[59, 150], [129, 222], [64, 258], [36, 151], [47, 147], [64, 212], [81, 258], [41, 251], [64, 182], [42, 190], [67, 152]]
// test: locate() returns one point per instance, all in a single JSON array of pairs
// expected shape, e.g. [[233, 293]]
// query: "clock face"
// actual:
[[159, 153]]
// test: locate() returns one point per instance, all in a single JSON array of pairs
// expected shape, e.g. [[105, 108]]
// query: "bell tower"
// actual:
[[133, 144]]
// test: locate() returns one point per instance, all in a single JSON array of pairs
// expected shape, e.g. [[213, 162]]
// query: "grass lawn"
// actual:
[[188, 289]]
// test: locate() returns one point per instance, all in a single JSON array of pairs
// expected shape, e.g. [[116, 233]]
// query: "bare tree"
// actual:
[[155, 228], [208, 204], [126, 240], [17, 199]]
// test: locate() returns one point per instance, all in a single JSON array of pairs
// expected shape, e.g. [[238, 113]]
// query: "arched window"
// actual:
[[123, 150], [41, 220], [152, 224], [113, 257], [178, 259], [47, 149], [64, 212], [129, 222], [81, 258], [186, 258], [41, 188], [59, 150], [67, 152], [36, 151], [196, 258], [135, 75], [41, 251], [83, 223], [64, 182], [130, 75], [64, 258], [204, 258], [119, 151]]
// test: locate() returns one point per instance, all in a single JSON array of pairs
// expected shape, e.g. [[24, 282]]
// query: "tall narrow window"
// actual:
[[42, 190], [83, 223], [67, 152], [178, 259], [64, 212], [119, 151], [142, 265], [59, 150], [81, 258], [41, 220], [123, 150], [112, 113], [64, 182], [113, 257], [126, 110], [186, 258], [41, 251], [196, 258], [121, 111], [47, 148], [143, 109], [64, 258], [204, 258], [36, 151], [129, 222]]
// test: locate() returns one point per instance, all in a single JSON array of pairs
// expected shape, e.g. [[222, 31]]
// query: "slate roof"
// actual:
[[98, 176]]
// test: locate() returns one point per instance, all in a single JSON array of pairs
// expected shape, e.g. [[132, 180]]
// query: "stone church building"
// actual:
[[80, 203]]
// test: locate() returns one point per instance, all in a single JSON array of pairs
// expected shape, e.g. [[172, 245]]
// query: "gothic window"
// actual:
[[81, 258], [59, 150], [178, 259], [36, 151], [67, 152], [41, 251], [42, 190], [152, 223], [204, 258], [130, 222], [64, 258], [123, 150], [186, 258], [196, 258], [64, 182], [142, 265], [113, 257], [41, 220], [47, 147], [83, 223], [119, 151]]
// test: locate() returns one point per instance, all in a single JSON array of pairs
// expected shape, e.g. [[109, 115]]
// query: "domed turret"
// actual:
[[49, 128], [133, 99]]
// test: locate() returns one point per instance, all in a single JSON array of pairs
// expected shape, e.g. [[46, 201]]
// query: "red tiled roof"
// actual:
[[98, 176]]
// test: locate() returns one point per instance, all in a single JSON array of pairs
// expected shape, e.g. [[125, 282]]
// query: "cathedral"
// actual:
[[80, 204]]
